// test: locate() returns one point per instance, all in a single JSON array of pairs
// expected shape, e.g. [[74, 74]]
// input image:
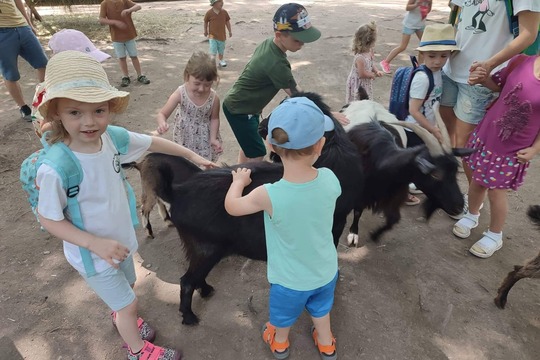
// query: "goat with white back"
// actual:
[[389, 166]]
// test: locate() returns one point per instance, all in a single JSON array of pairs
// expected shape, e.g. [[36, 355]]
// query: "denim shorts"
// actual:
[[19, 41], [409, 31], [113, 286], [286, 305], [246, 130], [468, 101], [216, 46], [123, 48]]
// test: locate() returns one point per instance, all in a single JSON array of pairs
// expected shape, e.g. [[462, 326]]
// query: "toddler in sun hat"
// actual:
[[65, 39]]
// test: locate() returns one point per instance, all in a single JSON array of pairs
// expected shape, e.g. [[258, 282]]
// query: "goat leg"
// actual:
[[511, 279], [162, 210], [352, 238], [392, 218], [186, 297]]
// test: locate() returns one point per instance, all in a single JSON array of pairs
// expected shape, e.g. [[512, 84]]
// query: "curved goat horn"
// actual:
[[433, 145], [447, 144]]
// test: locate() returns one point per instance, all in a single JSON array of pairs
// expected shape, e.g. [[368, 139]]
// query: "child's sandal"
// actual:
[[279, 350], [328, 352], [146, 332]]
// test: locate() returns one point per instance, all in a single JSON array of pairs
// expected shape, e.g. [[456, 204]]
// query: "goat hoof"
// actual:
[[206, 291], [190, 319], [352, 239], [499, 302]]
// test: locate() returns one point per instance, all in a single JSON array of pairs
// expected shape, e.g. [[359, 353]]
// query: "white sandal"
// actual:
[[462, 229], [486, 246]]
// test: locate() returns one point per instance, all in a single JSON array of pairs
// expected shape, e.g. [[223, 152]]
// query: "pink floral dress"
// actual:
[[192, 125], [353, 81]]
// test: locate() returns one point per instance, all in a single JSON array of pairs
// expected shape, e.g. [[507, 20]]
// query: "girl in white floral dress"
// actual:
[[196, 122]]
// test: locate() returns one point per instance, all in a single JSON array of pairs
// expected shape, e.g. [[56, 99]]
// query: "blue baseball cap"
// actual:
[[302, 120]]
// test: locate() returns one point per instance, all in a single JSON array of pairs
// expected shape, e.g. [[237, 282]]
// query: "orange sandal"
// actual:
[[279, 350], [328, 352]]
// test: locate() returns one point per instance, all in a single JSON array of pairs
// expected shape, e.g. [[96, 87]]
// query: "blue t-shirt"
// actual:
[[301, 251]]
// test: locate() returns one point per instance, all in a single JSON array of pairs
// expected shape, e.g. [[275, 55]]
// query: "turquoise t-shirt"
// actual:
[[301, 251]]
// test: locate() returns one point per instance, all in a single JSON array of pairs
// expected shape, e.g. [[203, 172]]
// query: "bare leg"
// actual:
[[324, 333], [449, 119], [126, 323], [15, 91], [498, 201], [123, 66], [477, 194], [136, 65], [243, 159], [41, 74], [220, 56], [395, 51], [462, 133], [282, 334], [419, 34]]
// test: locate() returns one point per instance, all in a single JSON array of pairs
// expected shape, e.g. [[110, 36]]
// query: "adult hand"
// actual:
[[242, 176], [526, 155], [110, 250], [484, 70]]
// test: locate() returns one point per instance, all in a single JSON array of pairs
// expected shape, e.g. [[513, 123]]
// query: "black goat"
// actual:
[[157, 189], [530, 270], [389, 168], [209, 233]]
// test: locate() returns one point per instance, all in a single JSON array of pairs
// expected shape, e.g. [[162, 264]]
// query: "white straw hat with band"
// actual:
[[438, 37], [77, 76]]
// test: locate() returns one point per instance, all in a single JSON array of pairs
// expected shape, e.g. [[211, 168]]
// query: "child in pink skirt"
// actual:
[[507, 138]]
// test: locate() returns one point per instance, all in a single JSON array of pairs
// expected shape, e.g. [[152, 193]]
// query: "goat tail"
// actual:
[[131, 165], [534, 214]]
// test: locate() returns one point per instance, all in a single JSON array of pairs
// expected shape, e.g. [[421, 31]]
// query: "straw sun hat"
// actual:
[[78, 76], [438, 37]]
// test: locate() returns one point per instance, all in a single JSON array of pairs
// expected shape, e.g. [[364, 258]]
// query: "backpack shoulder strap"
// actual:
[[119, 137], [423, 68], [60, 157]]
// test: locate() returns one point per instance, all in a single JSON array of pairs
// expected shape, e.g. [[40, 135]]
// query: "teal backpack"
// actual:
[[59, 157], [534, 48]]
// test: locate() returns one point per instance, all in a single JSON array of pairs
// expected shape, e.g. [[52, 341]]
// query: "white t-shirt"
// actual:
[[483, 31], [102, 197], [419, 89]]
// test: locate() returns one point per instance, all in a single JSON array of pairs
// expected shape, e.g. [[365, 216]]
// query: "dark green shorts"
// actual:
[[245, 129]]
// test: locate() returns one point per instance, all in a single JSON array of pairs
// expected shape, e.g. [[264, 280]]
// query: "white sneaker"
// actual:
[[222, 63]]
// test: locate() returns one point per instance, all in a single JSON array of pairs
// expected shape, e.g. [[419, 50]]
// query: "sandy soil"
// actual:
[[417, 295]]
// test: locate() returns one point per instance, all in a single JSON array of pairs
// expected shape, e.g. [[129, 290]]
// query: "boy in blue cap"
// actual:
[[298, 218]]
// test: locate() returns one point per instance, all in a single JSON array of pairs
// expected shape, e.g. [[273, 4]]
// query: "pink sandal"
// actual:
[[146, 332], [153, 352]]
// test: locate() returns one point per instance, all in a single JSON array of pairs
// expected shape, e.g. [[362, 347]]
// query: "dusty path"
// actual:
[[416, 295]]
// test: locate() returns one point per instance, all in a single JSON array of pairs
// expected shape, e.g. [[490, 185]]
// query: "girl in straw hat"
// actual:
[[78, 104]]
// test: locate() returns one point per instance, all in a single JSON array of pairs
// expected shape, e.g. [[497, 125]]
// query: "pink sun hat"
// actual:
[[70, 39]]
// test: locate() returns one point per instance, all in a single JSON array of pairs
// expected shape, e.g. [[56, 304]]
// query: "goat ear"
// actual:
[[424, 165], [460, 152]]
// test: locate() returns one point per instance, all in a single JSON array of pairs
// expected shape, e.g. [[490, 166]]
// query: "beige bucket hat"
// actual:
[[77, 76], [438, 37]]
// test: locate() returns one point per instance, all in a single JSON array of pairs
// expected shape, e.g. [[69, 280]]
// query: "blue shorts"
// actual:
[[113, 286], [19, 41], [469, 102], [216, 46], [409, 31], [123, 48], [286, 305]]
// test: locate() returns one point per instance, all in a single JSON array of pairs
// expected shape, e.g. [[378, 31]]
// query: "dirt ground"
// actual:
[[418, 294]]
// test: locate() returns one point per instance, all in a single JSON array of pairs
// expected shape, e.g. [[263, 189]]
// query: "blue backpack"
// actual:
[[401, 86], [60, 157]]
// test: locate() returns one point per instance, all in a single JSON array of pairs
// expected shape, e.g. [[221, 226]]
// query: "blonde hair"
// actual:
[[201, 66], [364, 38], [281, 137], [58, 133]]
